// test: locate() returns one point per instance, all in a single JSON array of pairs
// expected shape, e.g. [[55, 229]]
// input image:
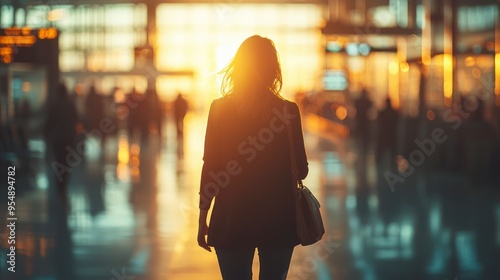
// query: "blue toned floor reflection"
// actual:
[[433, 226], [133, 215]]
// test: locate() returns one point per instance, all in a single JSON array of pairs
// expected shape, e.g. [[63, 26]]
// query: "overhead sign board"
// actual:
[[14, 40]]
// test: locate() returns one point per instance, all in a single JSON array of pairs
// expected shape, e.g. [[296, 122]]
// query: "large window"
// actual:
[[92, 37], [203, 38], [101, 38]]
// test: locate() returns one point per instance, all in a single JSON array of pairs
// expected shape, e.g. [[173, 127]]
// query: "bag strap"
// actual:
[[293, 158]]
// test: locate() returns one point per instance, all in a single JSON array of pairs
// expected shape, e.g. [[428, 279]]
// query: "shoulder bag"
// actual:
[[309, 223]]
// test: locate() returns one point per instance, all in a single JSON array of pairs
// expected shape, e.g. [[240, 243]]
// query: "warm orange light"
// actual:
[[6, 51], [448, 89], [326, 127], [135, 149], [26, 30], [135, 174], [16, 31], [123, 151], [497, 78], [448, 75], [470, 61], [47, 33], [341, 113], [7, 59], [79, 89], [485, 61], [96, 61], [17, 40], [393, 68], [120, 96], [404, 66], [342, 41], [134, 161], [26, 87], [426, 60], [207, 41], [402, 163]]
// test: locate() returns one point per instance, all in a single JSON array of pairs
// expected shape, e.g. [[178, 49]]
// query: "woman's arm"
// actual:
[[207, 191], [298, 140], [203, 230], [211, 152]]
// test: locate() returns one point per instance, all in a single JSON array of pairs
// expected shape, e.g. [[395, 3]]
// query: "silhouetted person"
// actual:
[[150, 114], [133, 118], [61, 138], [25, 117], [476, 115], [94, 110], [19, 127], [387, 132], [25, 112], [327, 110], [479, 141], [156, 110], [363, 105], [247, 167], [180, 110]]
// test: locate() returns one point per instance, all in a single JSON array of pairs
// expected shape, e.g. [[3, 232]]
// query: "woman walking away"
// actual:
[[247, 167]]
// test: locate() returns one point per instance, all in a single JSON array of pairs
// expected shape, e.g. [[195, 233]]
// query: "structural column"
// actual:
[[151, 42]]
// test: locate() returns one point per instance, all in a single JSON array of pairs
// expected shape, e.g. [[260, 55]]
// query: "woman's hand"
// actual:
[[203, 230], [202, 233]]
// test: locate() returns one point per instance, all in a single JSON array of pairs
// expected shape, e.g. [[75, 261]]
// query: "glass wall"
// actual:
[[92, 37], [194, 37], [101, 38], [477, 57], [204, 37]]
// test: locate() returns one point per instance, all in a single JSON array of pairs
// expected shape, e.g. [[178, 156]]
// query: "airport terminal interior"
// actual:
[[411, 191]]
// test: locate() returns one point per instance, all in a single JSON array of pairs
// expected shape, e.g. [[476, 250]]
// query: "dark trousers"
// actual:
[[236, 264]]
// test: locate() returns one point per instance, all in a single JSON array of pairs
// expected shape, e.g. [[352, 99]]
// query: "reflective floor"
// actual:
[[133, 215]]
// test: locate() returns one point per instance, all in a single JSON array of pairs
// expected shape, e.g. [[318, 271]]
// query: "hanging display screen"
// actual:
[[17, 44]]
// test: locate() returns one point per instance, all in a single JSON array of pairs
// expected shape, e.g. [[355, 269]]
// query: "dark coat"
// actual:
[[247, 166]]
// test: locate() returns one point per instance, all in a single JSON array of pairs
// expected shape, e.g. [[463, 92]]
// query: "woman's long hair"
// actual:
[[253, 75]]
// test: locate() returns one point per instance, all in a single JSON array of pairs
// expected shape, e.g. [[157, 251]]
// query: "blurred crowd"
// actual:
[[463, 138], [74, 117], [467, 132]]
